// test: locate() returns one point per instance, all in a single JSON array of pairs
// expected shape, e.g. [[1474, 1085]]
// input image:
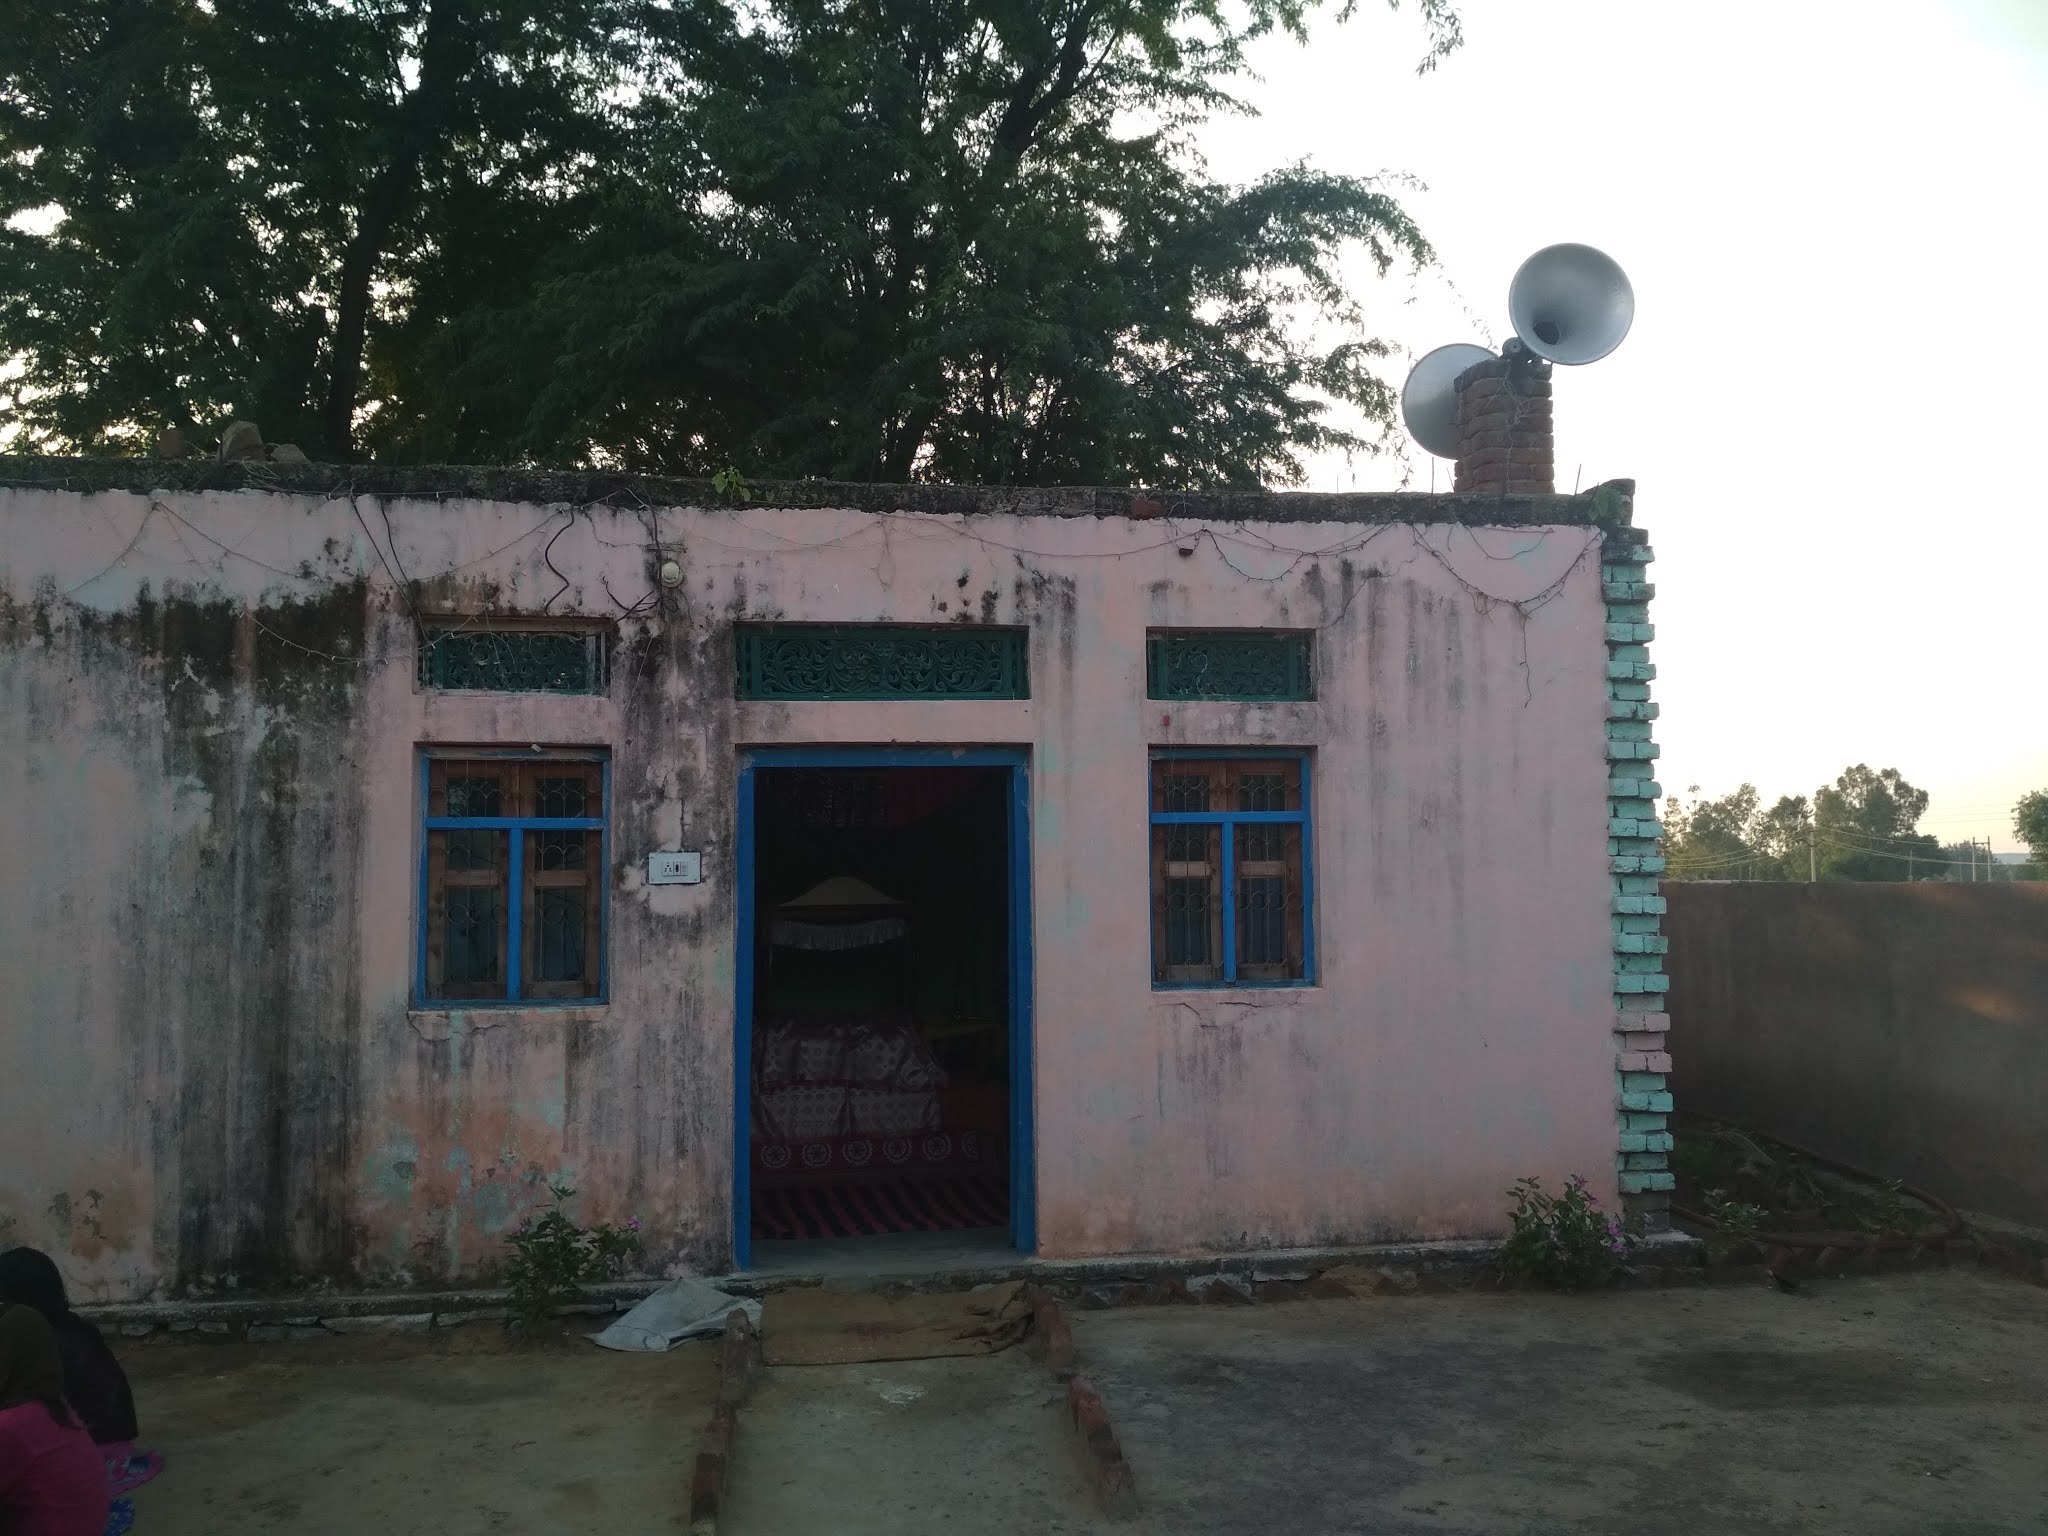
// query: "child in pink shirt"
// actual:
[[53, 1481]]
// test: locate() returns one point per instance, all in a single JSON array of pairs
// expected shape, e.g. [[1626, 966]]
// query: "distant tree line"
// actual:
[[1864, 826]]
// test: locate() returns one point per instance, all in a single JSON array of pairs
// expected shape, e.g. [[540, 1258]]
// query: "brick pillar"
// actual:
[[1504, 433], [1635, 863]]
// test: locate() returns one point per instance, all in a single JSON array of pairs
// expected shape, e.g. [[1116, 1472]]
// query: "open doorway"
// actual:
[[881, 1012]]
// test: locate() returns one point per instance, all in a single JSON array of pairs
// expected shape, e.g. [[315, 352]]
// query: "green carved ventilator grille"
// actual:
[[1246, 665], [514, 660], [881, 661]]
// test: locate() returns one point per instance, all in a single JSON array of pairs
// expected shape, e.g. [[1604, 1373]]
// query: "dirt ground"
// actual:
[[450, 1433], [1910, 1403], [954, 1447], [1904, 1404]]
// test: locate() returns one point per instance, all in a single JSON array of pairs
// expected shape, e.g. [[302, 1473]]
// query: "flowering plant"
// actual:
[[553, 1259], [1566, 1241]]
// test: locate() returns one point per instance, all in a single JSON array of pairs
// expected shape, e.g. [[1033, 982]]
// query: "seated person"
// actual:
[[53, 1481], [94, 1383]]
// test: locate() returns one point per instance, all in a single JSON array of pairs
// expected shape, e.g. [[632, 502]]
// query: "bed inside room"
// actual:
[[879, 1078]]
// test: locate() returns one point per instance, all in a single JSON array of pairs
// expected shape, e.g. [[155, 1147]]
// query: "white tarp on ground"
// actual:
[[680, 1310]]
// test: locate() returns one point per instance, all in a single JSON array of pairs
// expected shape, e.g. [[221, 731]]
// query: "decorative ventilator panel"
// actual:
[[1247, 665], [881, 661], [514, 660]]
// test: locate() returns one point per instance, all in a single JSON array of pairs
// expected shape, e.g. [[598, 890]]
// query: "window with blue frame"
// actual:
[[1230, 867], [512, 879]]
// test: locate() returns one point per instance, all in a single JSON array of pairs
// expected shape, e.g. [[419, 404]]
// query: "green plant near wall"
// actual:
[[553, 1259], [1563, 1242], [1739, 1223]]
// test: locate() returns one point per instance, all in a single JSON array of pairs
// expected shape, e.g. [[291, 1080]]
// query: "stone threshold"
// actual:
[[1449, 1265]]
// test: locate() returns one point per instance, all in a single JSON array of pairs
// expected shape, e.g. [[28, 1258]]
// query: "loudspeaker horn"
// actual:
[[1428, 402], [1571, 304]]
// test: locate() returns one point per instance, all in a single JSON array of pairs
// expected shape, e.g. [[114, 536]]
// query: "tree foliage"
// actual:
[[961, 239], [2030, 822], [1861, 827]]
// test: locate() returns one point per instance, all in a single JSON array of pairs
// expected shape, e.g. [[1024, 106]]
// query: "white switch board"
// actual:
[[675, 868]]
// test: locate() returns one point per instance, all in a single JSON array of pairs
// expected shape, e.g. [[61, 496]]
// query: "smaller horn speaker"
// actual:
[[1429, 403], [1571, 304]]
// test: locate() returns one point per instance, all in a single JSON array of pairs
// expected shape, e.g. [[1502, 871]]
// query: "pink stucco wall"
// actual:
[[209, 1072]]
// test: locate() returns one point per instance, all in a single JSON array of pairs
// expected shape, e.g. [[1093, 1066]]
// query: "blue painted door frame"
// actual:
[[1023, 1158]]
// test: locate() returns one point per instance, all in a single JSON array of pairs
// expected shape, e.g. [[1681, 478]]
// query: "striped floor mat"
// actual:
[[870, 1210]]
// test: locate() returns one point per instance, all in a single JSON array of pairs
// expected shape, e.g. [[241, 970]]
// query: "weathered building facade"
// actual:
[[331, 930]]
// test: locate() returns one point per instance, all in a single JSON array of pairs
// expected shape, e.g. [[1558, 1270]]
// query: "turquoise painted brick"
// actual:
[[1642, 1162], [1612, 572], [1638, 965], [1623, 826], [1628, 730], [1635, 1141], [1650, 1123], [1631, 785], [1631, 808], [1623, 590], [1617, 689], [1636, 864], [1641, 944], [1638, 555], [1638, 671], [1629, 983], [1646, 1183], [1628, 751], [1632, 709], [1634, 885], [1659, 1141], [1641, 922], [1636, 653], [1642, 1082], [1624, 634], [1651, 905], [1628, 613], [1656, 1103]]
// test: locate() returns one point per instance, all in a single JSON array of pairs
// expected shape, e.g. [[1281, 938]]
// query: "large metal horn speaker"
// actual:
[[1429, 403], [1571, 304]]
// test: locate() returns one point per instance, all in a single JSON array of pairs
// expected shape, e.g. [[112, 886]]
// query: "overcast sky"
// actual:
[[1833, 214]]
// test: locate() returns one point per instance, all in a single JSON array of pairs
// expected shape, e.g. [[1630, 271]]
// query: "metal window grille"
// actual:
[[1248, 665], [1230, 871], [496, 660], [881, 661], [512, 892]]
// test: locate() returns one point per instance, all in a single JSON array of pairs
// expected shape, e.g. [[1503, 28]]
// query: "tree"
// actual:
[[240, 207], [964, 239], [1783, 833], [2030, 822], [1865, 825], [1718, 839]]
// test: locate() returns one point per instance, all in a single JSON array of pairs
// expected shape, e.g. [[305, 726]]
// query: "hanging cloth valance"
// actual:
[[838, 914], [788, 933]]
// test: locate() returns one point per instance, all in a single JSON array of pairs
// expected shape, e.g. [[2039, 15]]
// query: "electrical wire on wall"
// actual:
[[1249, 540]]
